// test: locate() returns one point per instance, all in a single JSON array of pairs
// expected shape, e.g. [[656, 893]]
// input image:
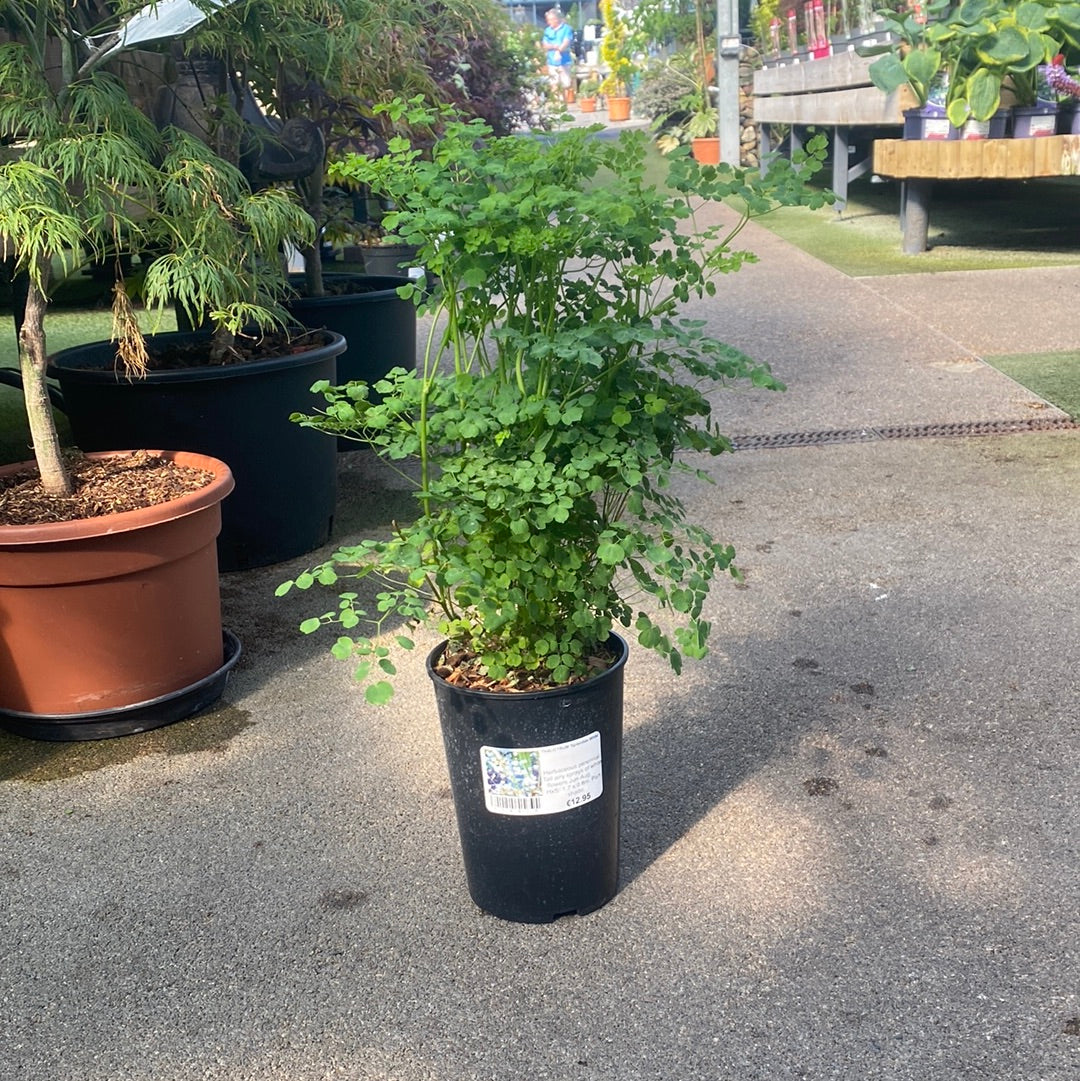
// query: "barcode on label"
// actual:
[[508, 803]]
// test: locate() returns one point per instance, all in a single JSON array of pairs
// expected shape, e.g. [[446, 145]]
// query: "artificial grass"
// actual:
[[982, 225], [1053, 376]]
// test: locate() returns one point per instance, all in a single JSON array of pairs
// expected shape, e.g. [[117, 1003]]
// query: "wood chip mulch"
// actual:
[[462, 669], [111, 486]]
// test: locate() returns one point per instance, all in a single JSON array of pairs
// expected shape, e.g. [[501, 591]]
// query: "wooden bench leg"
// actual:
[[915, 213]]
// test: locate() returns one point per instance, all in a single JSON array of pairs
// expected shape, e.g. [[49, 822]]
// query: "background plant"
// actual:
[[558, 392], [331, 61], [695, 68], [997, 43], [980, 48], [92, 177], [616, 51], [660, 94], [914, 57]]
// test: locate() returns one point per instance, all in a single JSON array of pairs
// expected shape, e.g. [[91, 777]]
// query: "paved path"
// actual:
[[851, 836]]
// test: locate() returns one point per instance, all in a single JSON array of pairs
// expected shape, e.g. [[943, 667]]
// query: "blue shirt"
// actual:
[[554, 38]]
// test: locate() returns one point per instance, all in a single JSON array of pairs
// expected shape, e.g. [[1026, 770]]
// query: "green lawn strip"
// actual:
[[973, 226], [1053, 376], [64, 328]]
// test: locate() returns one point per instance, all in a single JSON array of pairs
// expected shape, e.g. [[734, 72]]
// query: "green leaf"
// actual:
[[1008, 46], [1032, 16], [983, 94], [378, 694], [922, 65], [309, 626], [611, 553]]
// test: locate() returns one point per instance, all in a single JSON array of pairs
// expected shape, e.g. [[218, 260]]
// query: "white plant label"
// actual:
[[542, 780]]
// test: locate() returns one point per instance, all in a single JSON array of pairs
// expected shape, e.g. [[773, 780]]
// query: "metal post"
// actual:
[[727, 79]]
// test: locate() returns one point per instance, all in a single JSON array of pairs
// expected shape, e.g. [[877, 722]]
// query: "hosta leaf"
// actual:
[[983, 94]]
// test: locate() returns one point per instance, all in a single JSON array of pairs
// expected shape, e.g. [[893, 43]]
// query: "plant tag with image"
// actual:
[[542, 780]]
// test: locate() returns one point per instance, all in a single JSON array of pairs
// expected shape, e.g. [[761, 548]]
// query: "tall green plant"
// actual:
[[559, 389], [93, 177], [616, 50]]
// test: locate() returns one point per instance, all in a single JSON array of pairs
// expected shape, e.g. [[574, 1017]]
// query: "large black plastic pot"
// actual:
[[536, 785], [286, 476], [378, 326]]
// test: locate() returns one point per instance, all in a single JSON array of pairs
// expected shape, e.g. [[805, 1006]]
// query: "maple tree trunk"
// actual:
[[33, 360], [312, 194]]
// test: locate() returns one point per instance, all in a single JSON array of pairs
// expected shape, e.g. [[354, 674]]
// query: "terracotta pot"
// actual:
[[618, 109], [706, 150], [103, 613], [238, 413], [587, 105]]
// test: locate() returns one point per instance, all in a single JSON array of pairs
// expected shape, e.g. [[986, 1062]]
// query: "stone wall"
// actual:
[[748, 135]]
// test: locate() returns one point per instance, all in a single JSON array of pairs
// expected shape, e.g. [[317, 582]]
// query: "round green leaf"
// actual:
[[378, 694]]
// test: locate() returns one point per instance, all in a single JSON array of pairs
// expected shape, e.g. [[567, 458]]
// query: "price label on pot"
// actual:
[[542, 780]]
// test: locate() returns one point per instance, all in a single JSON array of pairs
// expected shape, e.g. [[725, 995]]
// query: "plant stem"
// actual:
[[33, 360]]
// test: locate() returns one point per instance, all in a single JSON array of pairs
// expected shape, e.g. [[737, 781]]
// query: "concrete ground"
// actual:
[[851, 836]]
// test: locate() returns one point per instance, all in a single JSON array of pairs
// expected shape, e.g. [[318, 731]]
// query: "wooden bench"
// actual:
[[918, 163], [833, 92]]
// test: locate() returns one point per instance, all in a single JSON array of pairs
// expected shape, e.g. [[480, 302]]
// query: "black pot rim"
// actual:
[[385, 287], [615, 640], [316, 355]]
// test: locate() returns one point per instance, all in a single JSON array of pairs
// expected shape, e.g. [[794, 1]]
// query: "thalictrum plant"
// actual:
[[560, 392]]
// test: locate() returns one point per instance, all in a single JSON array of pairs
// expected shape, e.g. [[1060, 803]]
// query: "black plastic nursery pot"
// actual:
[[536, 785], [379, 327], [286, 475], [929, 121], [1034, 121], [389, 258]]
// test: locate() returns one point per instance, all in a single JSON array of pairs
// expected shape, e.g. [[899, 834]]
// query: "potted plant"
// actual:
[[617, 56], [321, 65], [1066, 89], [324, 63], [912, 58], [999, 44], [698, 118], [984, 50], [548, 419], [112, 620], [587, 94]]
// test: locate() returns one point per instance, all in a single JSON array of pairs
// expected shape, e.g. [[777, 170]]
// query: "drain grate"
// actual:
[[904, 431]]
